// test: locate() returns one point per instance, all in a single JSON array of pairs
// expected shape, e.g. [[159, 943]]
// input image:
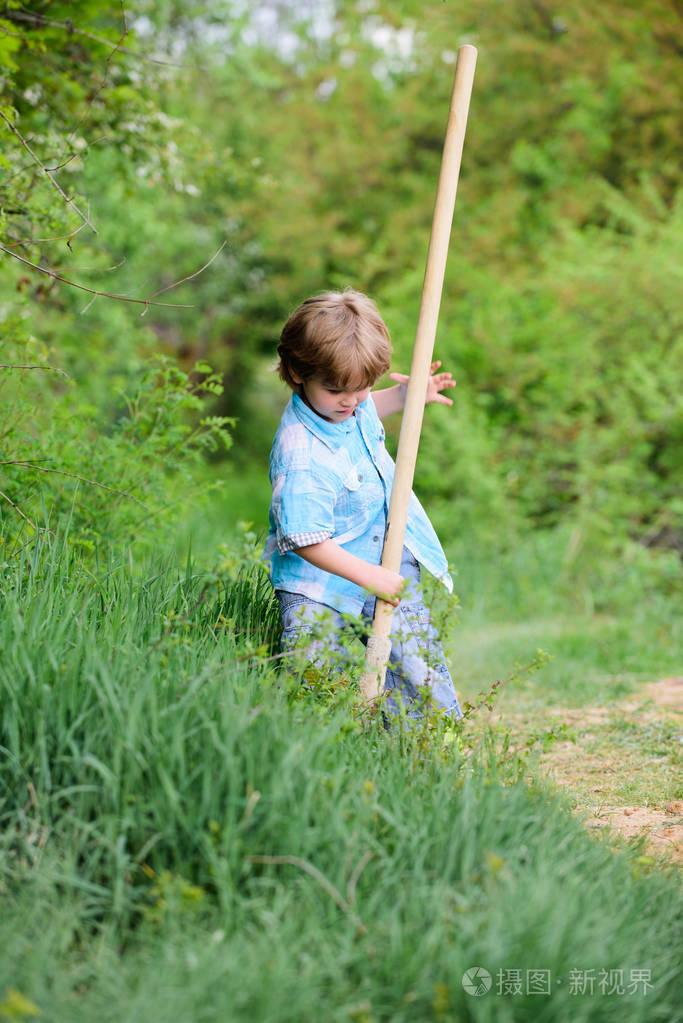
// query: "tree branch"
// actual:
[[50, 176], [75, 476], [25, 242], [46, 369], [18, 509], [14, 35], [91, 291], [105, 76], [95, 269], [75, 156], [38, 20], [190, 277]]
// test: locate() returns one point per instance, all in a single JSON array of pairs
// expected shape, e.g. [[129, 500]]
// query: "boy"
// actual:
[[331, 476]]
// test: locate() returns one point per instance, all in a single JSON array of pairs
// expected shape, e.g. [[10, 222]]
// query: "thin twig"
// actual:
[[41, 529], [105, 76], [75, 476], [46, 369], [91, 291], [190, 277], [39, 20], [259, 658], [78, 153], [58, 238], [353, 880], [65, 163], [22, 170], [487, 697], [95, 269], [52, 179], [312, 871], [18, 509]]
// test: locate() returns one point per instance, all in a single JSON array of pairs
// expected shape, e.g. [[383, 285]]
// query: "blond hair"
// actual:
[[338, 338]]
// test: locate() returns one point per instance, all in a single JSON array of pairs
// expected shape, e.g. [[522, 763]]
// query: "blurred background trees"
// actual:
[[307, 138]]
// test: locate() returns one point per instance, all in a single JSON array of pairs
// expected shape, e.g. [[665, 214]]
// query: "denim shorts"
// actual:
[[416, 673]]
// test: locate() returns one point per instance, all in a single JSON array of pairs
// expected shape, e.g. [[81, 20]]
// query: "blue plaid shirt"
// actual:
[[333, 480]]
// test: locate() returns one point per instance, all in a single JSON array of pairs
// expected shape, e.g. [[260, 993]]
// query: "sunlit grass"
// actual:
[[186, 834]]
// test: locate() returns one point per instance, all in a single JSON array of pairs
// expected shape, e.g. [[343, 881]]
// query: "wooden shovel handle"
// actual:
[[379, 646]]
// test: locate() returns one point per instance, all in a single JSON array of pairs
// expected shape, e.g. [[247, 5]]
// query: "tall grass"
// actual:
[[182, 838]]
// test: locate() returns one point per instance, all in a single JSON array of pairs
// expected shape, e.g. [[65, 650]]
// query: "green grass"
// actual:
[[187, 835], [586, 717], [593, 660], [608, 624]]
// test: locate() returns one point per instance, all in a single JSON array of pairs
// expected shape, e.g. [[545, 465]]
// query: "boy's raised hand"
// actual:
[[437, 383]]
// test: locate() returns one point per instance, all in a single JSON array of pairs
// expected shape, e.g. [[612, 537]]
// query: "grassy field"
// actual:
[[613, 749], [188, 835], [602, 721]]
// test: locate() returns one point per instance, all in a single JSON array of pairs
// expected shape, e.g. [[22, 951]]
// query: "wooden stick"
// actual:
[[379, 644]]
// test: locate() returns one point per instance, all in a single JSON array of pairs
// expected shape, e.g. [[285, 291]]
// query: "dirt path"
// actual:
[[599, 770], [620, 764]]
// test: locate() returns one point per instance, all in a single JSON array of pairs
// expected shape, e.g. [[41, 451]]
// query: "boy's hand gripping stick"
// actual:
[[379, 644]]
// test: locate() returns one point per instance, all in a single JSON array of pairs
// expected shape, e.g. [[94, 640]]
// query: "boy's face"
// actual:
[[329, 402]]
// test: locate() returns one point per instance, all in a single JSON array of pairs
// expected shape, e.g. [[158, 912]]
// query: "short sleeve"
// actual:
[[303, 507]]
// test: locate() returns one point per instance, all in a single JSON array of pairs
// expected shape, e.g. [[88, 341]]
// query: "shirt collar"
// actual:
[[331, 434]]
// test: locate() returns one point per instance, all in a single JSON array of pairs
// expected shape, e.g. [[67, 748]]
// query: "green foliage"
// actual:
[[172, 801], [120, 482], [98, 427], [62, 93], [573, 377], [312, 149], [164, 801]]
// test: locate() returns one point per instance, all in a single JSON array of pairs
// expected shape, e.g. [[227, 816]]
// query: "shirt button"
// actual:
[[375, 538], [360, 477]]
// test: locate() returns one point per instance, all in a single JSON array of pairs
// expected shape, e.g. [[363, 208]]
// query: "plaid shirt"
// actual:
[[333, 480]]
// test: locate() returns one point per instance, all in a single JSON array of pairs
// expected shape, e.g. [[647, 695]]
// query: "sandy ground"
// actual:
[[570, 765]]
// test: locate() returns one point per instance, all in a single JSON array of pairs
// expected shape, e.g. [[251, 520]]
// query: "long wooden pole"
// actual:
[[379, 644]]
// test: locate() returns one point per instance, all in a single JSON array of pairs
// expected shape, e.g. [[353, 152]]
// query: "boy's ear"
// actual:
[[295, 377]]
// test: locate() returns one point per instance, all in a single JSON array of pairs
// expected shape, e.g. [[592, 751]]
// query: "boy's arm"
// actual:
[[330, 557], [393, 399], [389, 400]]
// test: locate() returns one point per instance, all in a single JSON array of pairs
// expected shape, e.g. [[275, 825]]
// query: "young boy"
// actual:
[[331, 476]]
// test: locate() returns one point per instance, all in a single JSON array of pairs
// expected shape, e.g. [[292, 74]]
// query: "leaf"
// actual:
[[17, 1006]]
